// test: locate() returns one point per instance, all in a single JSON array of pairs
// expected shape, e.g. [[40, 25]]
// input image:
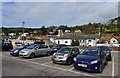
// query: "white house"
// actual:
[[115, 41], [109, 41], [85, 40], [63, 41], [88, 40], [67, 31], [12, 34]]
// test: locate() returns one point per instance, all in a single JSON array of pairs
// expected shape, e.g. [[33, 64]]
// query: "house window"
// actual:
[[83, 40], [114, 41], [66, 41], [89, 40], [58, 42]]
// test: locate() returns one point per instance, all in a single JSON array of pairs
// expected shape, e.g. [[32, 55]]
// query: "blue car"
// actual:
[[15, 51], [107, 51], [90, 59]]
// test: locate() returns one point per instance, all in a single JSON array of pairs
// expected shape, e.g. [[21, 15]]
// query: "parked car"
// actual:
[[51, 46], [15, 51], [65, 55], [6, 46], [107, 51], [57, 47], [90, 59], [35, 50]]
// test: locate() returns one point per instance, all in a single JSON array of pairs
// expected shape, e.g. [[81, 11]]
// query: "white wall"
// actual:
[[87, 43], [110, 45], [52, 40], [113, 41], [62, 41]]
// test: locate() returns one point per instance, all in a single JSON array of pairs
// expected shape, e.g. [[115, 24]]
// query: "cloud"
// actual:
[[60, 1], [57, 13]]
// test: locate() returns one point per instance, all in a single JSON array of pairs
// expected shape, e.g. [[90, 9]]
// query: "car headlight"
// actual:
[[75, 59], [65, 55], [93, 62], [15, 51], [55, 49]]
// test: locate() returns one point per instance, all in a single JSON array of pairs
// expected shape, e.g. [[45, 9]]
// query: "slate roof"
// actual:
[[77, 37]]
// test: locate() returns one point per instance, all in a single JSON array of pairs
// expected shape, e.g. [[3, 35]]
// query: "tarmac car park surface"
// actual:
[[43, 66]]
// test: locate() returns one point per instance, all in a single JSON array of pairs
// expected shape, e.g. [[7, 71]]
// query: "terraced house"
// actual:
[[84, 40]]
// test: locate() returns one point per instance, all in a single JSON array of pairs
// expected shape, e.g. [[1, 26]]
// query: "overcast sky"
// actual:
[[37, 14]]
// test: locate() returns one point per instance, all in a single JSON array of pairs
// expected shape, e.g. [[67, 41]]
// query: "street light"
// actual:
[[23, 31]]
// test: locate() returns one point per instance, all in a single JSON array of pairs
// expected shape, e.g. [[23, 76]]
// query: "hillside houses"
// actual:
[[88, 40]]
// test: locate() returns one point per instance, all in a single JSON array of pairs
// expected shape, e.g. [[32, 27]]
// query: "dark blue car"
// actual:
[[90, 59], [107, 51], [16, 50]]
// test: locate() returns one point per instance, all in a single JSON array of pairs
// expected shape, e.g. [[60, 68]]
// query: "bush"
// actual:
[[75, 43]]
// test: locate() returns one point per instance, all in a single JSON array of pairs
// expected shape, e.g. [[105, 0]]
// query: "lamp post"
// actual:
[[23, 31]]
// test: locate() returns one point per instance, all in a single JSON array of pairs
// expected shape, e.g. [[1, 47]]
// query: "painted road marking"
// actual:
[[71, 69], [48, 62], [39, 58], [113, 66], [51, 66]]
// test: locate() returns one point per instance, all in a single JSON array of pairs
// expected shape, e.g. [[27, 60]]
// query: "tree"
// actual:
[[75, 43]]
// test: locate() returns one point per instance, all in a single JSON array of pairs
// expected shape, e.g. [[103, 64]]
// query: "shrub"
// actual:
[[75, 43]]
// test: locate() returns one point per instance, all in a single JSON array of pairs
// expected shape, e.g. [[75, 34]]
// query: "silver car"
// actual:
[[35, 50], [65, 55]]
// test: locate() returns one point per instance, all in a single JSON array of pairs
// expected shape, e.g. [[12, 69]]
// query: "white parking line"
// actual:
[[52, 66], [71, 69], [113, 66], [48, 62], [40, 58]]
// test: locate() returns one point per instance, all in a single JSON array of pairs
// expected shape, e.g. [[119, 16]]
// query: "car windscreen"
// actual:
[[90, 52], [56, 46], [32, 46], [65, 50], [21, 46]]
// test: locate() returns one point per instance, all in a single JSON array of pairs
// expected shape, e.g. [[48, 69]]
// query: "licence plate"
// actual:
[[82, 65]]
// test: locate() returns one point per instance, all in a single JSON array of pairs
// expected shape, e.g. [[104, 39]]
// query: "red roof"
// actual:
[[44, 37], [103, 39], [117, 37]]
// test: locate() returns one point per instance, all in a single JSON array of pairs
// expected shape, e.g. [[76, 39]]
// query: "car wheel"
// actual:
[[106, 62], [100, 69], [53, 61], [110, 58], [48, 53], [69, 62], [32, 55]]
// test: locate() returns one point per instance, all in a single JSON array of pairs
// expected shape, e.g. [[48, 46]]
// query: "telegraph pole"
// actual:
[[23, 31]]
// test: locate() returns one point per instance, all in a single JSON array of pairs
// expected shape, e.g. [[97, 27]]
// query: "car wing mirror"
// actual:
[[36, 48], [73, 52], [104, 53]]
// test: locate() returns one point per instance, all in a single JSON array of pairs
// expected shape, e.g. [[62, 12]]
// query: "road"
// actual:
[[43, 66]]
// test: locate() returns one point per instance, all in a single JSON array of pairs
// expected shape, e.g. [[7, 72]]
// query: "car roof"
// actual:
[[69, 47], [92, 48]]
